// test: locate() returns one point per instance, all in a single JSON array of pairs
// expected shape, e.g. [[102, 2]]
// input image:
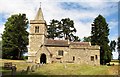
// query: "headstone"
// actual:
[[33, 68], [39, 65], [65, 66], [28, 69], [13, 70], [36, 66], [23, 72]]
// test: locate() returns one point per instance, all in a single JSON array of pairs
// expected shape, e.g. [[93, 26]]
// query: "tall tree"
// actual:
[[76, 39], [118, 44], [67, 28], [0, 48], [87, 39], [62, 29], [99, 36], [15, 37], [112, 45], [52, 29]]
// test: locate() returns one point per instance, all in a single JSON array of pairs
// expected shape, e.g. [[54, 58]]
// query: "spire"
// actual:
[[39, 15]]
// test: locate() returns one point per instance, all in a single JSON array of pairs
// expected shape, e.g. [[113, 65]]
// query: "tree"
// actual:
[[52, 29], [112, 45], [87, 39], [76, 39], [15, 37], [67, 28], [99, 36], [62, 29], [0, 49], [118, 44]]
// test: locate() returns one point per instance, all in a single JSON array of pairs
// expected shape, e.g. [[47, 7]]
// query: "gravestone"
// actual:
[[36, 67], [25, 71], [39, 65], [13, 70], [28, 69], [33, 68]]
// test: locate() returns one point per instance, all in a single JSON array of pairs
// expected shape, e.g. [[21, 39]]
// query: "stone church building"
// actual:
[[44, 50]]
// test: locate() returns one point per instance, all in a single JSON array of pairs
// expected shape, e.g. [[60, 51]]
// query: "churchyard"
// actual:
[[24, 68]]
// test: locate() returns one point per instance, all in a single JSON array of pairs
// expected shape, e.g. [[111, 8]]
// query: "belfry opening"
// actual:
[[43, 59]]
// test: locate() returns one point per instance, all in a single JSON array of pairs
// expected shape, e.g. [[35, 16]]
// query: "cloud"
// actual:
[[54, 10], [112, 24], [115, 55]]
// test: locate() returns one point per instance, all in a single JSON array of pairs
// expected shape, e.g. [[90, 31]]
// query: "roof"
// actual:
[[39, 15], [80, 43], [51, 42]]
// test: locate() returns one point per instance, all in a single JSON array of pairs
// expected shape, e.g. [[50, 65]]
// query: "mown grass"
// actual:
[[75, 69], [20, 64], [62, 69]]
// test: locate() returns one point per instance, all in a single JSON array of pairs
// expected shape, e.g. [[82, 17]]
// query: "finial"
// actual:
[[40, 4]]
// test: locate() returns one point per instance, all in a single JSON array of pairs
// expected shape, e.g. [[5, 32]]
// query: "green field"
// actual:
[[63, 69]]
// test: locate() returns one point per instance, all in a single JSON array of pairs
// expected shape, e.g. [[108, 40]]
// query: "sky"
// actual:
[[82, 12]]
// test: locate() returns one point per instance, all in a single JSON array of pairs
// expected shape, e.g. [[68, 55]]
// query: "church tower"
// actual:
[[37, 36]]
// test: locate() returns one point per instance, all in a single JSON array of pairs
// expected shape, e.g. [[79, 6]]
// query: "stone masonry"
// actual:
[[44, 50]]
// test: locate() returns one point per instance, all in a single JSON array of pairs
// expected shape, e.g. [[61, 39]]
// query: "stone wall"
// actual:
[[55, 56]]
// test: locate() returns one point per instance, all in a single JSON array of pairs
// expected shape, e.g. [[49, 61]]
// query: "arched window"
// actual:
[[96, 57], [73, 58], [36, 29], [92, 58]]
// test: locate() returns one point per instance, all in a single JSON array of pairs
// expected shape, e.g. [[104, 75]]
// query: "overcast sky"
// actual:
[[81, 11]]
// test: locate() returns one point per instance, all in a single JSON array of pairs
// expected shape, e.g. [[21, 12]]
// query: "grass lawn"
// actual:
[[21, 64], [63, 69], [75, 69]]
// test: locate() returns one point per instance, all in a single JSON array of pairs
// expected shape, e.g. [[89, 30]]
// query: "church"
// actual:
[[44, 50]]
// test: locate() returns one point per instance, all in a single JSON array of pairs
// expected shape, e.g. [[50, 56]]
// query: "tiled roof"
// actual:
[[52, 42], [57, 42], [80, 43]]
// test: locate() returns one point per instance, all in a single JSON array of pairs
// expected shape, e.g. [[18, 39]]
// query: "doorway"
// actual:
[[43, 58]]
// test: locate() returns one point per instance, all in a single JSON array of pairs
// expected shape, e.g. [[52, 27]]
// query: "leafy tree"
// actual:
[[99, 36], [67, 28], [62, 29], [112, 45], [76, 39], [52, 29], [15, 37], [0, 49], [118, 44], [87, 39]]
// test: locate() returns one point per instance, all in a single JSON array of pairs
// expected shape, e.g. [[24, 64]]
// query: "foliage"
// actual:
[[52, 29], [15, 36], [99, 36], [112, 45], [62, 29], [87, 39], [0, 49], [118, 44], [67, 28]]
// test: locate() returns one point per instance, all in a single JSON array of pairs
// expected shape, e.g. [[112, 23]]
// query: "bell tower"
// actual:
[[37, 35]]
